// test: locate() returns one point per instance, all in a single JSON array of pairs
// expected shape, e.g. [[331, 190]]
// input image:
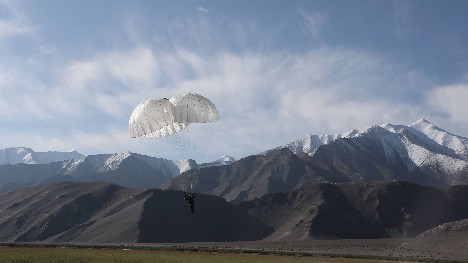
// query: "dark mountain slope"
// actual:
[[166, 217], [108, 213], [254, 176], [47, 213], [319, 211], [452, 236], [364, 158], [25, 173], [358, 210]]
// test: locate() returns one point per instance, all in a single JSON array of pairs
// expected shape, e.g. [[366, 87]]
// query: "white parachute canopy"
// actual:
[[157, 118], [194, 108]]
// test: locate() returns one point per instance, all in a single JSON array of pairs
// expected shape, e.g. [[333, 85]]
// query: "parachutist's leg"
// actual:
[[192, 207]]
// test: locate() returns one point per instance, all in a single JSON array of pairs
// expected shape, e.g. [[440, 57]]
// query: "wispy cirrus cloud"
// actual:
[[202, 9], [266, 98], [313, 22], [12, 21]]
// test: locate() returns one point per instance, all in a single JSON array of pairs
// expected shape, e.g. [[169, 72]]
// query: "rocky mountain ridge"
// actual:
[[359, 210], [108, 213], [91, 212], [14, 155], [421, 153], [127, 169], [421, 145]]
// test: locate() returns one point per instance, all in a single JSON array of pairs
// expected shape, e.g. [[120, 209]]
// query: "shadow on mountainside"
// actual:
[[166, 217]]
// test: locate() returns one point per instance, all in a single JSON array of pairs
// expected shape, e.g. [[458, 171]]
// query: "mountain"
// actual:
[[105, 163], [109, 213], [421, 153], [420, 146], [452, 236], [16, 155], [358, 210], [127, 169], [254, 176], [223, 160]]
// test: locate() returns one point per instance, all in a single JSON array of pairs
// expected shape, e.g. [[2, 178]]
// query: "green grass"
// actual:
[[69, 254]]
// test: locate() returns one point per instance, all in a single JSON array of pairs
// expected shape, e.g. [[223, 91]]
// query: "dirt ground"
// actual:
[[399, 249]]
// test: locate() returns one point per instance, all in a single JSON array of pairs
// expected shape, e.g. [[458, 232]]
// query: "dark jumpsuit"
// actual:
[[190, 201]]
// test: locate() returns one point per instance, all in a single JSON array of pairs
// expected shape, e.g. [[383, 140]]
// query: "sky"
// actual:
[[71, 72]]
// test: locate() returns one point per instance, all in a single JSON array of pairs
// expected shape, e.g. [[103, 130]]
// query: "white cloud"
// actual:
[[267, 100], [203, 10], [10, 29], [79, 74], [135, 68], [108, 82], [450, 101], [313, 22], [264, 99], [12, 21]]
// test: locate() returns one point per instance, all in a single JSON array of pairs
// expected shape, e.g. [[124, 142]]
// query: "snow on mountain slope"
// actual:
[[102, 163], [16, 155], [419, 145], [173, 167], [456, 143], [223, 160]]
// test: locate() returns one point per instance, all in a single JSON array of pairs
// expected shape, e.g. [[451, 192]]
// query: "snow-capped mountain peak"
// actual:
[[419, 145], [14, 155], [225, 158], [456, 143], [108, 162]]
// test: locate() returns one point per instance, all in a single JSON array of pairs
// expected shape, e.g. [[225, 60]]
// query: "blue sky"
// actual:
[[71, 72]]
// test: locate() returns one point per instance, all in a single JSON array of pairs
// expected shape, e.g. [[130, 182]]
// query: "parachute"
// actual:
[[157, 118], [193, 108]]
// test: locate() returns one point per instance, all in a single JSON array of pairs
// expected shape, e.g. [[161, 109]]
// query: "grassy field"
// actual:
[[69, 254]]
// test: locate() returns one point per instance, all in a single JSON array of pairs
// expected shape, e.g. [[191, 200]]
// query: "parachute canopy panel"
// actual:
[[154, 118], [194, 108]]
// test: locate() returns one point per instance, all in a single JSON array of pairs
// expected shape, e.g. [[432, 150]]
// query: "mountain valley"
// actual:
[[381, 182]]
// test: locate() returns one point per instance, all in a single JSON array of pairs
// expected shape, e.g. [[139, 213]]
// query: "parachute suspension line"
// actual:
[[206, 140], [188, 145], [152, 148], [158, 118], [193, 183], [183, 144]]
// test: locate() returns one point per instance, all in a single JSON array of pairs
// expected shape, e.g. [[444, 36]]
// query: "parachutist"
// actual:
[[190, 201]]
